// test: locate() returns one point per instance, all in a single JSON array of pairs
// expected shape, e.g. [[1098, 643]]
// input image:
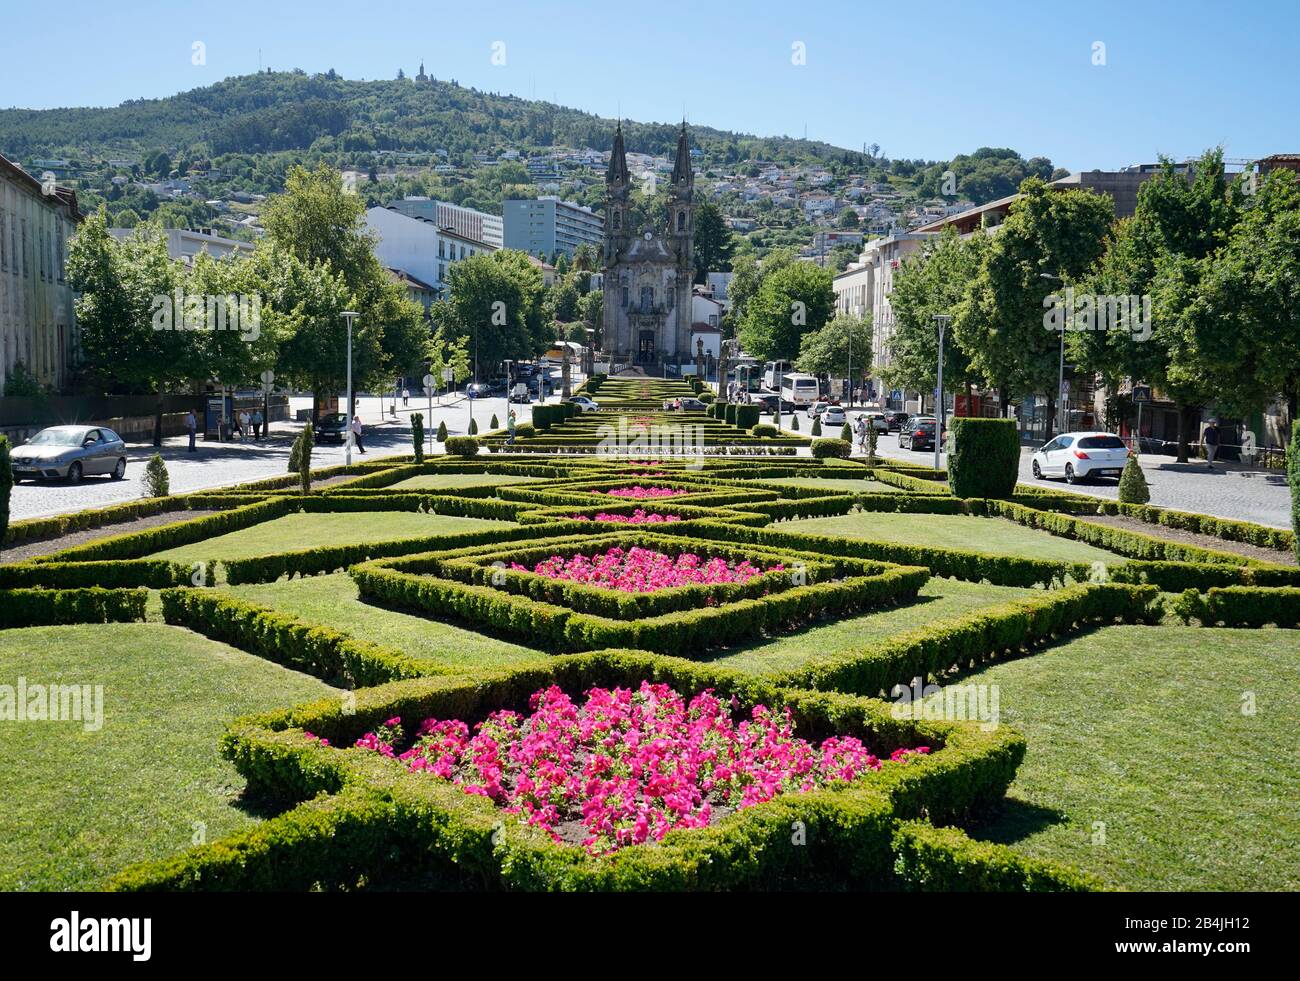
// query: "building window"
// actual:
[[647, 299], [442, 249], [618, 219], [681, 221], [625, 297]]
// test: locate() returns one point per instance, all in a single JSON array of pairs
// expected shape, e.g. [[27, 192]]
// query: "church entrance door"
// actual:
[[645, 352]]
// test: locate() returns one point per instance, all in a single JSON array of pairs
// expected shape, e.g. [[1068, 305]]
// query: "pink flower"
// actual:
[[628, 765]]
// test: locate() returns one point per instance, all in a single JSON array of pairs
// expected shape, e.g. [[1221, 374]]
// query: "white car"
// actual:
[[584, 403], [1080, 456], [834, 416]]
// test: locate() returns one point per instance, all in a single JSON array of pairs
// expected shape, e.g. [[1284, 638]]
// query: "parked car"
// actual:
[[584, 403], [834, 416], [1080, 456], [520, 393], [332, 428], [769, 401], [878, 421], [478, 390], [815, 409], [895, 421], [70, 452], [918, 434], [693, 405]]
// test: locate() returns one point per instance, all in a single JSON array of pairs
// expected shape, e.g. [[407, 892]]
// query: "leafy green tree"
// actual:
[[830, 350], [714, 241], [494, 302], [1246, 325], [932, 282], [1160, 252], [321, 224], [1133, 488], [791, 301], [122, 286], [1000, 324], [561, 301]]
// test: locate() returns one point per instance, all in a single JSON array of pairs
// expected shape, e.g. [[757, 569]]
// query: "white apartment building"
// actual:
[[465, 222], [863, 289], [37, 321], [418, 247]]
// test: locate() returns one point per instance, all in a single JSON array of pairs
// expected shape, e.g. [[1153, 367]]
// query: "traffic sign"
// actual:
[[1141, 393], [448, 374], [428, 381]]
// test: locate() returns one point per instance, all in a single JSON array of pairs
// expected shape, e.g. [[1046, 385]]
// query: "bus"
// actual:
[[774, 373], [799, 390]]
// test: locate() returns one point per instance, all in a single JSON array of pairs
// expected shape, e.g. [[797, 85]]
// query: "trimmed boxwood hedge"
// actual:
[[962, 642], [328, 654], [1243, 606], [42, 607], [930, 859], [151, 573], [985, 458]]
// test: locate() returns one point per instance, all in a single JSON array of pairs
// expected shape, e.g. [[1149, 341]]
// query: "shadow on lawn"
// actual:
[[1015, 820]]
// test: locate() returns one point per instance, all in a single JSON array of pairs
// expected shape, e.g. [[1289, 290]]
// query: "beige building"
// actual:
[[37, 323], [863, 290]]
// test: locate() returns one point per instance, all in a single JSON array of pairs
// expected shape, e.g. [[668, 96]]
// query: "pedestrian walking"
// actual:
[[356, 433], [1211, 439], [861, 430], [243, 424], [191, 427], [257, 424], [510, 428], [406, 397]]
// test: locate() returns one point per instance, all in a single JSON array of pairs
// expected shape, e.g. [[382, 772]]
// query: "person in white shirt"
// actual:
[[356, 432]]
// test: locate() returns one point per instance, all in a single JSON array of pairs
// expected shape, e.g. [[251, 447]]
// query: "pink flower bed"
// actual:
[[638, 517], [640, 493], [626, 767], [643, 570]]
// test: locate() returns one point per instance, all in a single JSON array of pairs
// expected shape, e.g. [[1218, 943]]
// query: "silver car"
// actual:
[[70, 452]]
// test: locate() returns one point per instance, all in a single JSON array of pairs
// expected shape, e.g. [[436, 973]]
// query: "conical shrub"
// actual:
[[1133, 487]]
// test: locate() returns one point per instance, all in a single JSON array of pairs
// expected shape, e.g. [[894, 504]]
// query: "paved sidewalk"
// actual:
[[1227, 491], [222, 464]]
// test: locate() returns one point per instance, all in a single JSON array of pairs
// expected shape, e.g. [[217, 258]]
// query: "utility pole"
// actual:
[[349, 316], [941, 410]]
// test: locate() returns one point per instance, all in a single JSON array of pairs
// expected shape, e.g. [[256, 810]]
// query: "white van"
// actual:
[[800, 390]]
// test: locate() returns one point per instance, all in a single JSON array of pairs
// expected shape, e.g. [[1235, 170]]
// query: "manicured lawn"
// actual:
[[1142, 729], [937, 600], [451, 481], [299, 531], [994, 535], [332, 601], [81, 805], [836, 485]]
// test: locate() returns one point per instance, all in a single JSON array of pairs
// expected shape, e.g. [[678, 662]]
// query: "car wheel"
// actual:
[[1070, 477], [74, 473], [119, 471], [1038, 472]]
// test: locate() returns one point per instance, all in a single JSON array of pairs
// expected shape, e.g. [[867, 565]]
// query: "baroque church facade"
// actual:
[[648, 270]]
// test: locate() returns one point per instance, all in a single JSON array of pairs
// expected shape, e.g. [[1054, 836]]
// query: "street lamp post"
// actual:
[[349, 316], [941, 410]]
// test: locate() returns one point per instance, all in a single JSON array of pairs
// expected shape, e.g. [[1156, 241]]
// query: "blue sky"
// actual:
[[923, 79]]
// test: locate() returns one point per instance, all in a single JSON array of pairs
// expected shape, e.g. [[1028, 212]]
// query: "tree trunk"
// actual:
[[158, 419], [1184, 427]]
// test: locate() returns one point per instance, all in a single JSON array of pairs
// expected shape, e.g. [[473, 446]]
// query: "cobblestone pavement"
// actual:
[[221, 464], [1228, 491]]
